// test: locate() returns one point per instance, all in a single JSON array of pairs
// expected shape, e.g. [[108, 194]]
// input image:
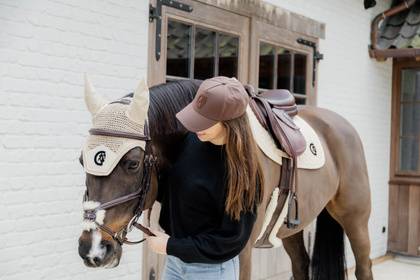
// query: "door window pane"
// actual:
[[204, 61], [178, 49], [228, 55], [299, 77], [410, 81], [284, 62], [409, 153], [410, 119], [266, 68], [300, 100]]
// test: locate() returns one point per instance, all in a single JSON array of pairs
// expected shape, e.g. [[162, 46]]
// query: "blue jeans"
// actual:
[[176, 269]]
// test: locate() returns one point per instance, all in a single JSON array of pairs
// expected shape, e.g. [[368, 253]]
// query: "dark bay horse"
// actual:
[[337, 194]]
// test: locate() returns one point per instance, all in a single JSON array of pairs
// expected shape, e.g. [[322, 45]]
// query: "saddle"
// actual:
[[274, 109]]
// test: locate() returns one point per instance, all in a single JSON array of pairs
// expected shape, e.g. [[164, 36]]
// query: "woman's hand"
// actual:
[[157, 243]]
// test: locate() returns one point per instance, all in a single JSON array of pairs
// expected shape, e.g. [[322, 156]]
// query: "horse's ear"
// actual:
[[140, 103], [94, 102]]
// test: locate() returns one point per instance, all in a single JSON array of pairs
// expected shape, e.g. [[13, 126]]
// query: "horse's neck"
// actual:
[[165, 101], [166, 147]]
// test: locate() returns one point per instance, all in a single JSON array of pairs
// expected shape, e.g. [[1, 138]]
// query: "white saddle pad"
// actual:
[[271, 207], [312, 158]]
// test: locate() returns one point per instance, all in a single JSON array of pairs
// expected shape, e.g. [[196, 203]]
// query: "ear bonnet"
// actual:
[[116, 126]]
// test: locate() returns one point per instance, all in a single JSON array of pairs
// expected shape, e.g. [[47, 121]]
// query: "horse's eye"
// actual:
[[132, 164]]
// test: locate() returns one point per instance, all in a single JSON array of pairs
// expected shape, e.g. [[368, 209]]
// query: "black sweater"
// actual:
[[193, 195]]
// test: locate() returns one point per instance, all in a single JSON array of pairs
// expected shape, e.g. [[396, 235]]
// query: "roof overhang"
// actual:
[[393, 32]]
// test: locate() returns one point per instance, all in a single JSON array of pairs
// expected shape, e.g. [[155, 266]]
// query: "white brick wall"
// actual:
[[45, 47], [358, 88]]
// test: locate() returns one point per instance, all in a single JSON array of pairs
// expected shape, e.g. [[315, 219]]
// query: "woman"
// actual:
[[210, 194]]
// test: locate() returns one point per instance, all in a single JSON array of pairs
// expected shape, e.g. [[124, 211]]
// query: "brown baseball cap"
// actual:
[[217, 99]]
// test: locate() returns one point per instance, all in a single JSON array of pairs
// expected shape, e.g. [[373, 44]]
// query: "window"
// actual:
[[405, 125], [409, 123], [282, 68], [200, 53], [235, 40]]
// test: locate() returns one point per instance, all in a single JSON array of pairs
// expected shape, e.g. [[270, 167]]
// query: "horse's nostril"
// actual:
[[97, 261], [108, 246], [84, 248]]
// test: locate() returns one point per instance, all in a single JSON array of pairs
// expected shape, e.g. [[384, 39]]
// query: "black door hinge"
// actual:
[[155, 13], [317, 56]]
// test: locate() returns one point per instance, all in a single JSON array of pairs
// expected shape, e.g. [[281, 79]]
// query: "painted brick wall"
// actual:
[[358, 88], [45, 47]]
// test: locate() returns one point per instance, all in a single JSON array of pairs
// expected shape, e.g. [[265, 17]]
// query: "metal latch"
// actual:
[[317, 56], [155, 13]]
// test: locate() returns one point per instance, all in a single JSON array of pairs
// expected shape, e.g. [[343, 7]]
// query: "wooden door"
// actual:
[[404, 192], [208, 42], [236, 35]]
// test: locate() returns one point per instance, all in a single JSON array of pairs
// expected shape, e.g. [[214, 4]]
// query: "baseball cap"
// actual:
[[217, 99]]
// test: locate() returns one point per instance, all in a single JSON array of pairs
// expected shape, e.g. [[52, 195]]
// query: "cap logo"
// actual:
[[100, 158], [201, 101]]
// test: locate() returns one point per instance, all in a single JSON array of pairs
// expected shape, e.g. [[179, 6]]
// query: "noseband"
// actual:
[[149, 163]]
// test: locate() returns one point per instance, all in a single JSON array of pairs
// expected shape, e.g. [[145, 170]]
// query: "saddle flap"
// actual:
[[285, 118]]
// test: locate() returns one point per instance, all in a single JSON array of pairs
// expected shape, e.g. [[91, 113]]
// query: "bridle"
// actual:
[[149, 163]]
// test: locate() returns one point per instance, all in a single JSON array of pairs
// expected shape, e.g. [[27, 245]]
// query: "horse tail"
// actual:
[[328, 259]]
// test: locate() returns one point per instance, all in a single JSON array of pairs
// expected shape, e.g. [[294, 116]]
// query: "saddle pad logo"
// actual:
[[313, 149], [100, 158]]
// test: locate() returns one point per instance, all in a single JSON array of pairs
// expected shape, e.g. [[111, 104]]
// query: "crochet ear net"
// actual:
[[102, 153]]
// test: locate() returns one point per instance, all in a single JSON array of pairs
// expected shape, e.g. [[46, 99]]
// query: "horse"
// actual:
[[337, 194]]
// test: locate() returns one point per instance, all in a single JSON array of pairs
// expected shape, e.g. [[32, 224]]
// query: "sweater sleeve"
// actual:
[[217, 245]]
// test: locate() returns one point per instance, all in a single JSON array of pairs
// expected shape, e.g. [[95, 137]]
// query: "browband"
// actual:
[[121, 134]]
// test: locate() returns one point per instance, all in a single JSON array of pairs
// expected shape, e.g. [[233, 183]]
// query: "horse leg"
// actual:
[[357, 232], [245, 262], [351, 208], [295, 248], [353, 215]]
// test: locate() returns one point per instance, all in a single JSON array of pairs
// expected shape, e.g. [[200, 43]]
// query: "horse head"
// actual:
[[119, 163]]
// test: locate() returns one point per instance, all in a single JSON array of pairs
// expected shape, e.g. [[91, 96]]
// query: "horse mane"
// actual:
[[168, 99]]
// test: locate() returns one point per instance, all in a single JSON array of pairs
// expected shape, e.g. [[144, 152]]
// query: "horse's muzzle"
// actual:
[[97, 252]]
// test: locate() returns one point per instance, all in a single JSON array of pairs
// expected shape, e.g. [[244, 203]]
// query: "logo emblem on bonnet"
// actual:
[[100, 158]]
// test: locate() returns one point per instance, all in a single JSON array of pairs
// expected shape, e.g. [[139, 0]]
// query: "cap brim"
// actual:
[[192, 120]]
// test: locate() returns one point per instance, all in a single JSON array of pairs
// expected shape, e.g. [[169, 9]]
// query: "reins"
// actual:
[[149, 164]]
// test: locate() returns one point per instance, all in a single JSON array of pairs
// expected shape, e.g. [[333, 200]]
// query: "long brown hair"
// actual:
[[245, 180]]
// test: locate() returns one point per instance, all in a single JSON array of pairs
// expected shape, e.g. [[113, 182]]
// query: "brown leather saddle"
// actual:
[[274, 109]]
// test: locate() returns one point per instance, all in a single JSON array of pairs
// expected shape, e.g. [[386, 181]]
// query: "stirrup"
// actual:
[[291, 222]]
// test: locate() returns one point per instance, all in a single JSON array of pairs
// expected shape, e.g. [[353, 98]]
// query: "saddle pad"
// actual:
[[271, 207], [312, 158]]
